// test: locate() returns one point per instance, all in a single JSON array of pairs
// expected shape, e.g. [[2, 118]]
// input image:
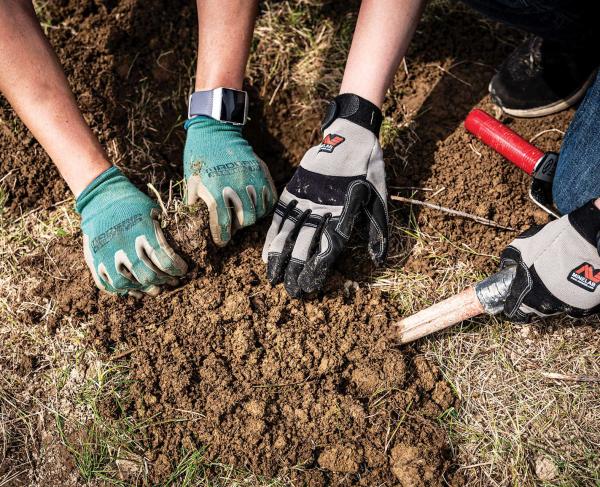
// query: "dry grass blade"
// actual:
[[569, 377]]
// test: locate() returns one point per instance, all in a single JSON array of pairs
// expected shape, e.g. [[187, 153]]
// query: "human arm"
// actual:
[[344, 176], [35, 85], [123, 245], [381, 38], [220, 167]]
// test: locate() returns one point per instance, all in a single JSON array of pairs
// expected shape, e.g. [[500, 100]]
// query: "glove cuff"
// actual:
[[210, 124], [586, 220], [355, 109], [88, 193]]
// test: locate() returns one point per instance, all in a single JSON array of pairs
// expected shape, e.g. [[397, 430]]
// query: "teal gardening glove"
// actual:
[[123, 244], [221, 168]]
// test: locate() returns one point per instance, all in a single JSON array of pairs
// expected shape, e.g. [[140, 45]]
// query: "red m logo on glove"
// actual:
[[589, 272], [585, 276], [330, 142]]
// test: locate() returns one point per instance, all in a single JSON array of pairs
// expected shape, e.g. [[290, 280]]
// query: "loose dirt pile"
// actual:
[[305, 389]]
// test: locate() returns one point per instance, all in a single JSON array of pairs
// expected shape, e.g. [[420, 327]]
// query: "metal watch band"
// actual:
[[224, 104], [201, 103]]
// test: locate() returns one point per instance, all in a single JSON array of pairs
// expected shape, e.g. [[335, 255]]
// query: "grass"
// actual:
[[25, 348], [512, 416], [514, 425], [300, 50], [100, 443], [194, 469]]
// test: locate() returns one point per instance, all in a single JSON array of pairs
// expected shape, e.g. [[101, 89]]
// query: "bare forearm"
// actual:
[[36, 87], [381, 38], [224, 35]]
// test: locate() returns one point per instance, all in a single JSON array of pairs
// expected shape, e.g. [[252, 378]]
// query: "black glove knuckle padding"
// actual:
[[331, 200]]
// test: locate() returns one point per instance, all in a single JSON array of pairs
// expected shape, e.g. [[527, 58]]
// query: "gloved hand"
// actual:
[[221, 168], [123, 244], [336, 181], [558, 268]]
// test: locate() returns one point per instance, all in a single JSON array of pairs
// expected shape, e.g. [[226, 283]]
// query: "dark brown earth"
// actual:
[[309, 389]]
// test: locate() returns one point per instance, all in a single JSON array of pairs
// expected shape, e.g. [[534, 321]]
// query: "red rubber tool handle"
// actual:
[[503, 140]]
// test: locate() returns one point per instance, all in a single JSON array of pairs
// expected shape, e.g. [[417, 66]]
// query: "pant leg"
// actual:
[[577, 178], [573, 22]]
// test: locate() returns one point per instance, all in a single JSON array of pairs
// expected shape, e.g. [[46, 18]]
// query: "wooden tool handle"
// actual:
[[446, 313]]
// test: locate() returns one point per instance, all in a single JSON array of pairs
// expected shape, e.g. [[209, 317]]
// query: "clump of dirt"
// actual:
[[306, 389]]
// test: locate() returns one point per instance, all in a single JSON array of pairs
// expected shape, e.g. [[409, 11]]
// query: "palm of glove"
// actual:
[[558, 268], [124, 246], [335, 182], [221, 168]]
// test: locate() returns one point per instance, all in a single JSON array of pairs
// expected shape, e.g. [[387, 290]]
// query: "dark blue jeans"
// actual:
[[574, 22]]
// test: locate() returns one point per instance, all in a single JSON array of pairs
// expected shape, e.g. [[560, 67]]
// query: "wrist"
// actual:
[[375, 98], [207, 79], [88, 192], [79, 179], [356, 109], [206, 123], [586, 220]]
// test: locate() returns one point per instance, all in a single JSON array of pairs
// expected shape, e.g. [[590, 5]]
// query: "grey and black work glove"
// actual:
[[336, 181], [558, 268]]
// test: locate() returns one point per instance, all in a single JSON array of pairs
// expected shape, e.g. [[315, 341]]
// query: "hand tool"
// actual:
[[487, 296], [541, 166]]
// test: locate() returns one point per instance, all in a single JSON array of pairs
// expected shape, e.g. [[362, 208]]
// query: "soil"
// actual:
[[307, 389]]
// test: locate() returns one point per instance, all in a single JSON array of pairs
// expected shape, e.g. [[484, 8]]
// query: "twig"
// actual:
[[447, 71], [411, 188], [474, 150], [443, 188], [478, 219], [7, 174], [123, 354], [40, 208], [569, 377], [159, 198], [539, 134]]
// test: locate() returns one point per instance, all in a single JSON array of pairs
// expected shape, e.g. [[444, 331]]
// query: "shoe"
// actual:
[[541, 78]]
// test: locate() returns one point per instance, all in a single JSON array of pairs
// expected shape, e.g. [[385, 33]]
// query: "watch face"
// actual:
[[233, 105]]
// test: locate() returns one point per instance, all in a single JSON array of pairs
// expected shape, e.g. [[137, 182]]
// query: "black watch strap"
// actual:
[[355, 109], [224, 104], [200, 103]]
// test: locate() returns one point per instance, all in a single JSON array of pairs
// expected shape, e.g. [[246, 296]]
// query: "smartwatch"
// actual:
[[223, 104]]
